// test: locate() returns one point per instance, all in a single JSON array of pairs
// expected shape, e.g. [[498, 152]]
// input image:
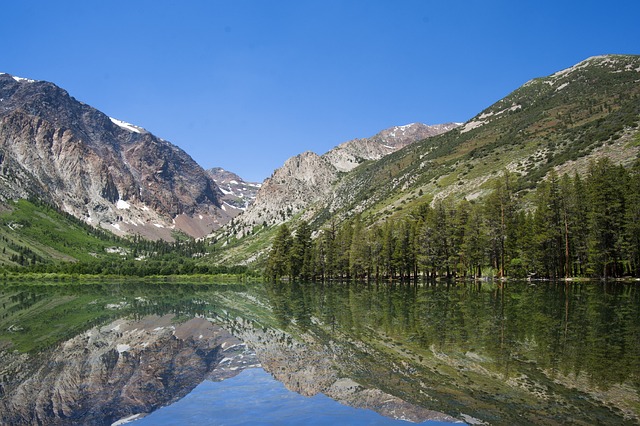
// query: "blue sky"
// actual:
[[246, 84]]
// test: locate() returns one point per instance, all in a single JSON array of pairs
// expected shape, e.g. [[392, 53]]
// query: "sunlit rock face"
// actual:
[[309, 178], [102, 170], [238, 193], [300, 182], [116, 371], [348, 155]]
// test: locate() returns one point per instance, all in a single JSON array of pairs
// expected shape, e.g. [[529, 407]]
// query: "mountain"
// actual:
[[561, 122], [105, 171], [238, 194], [308, 178], [347, 156]]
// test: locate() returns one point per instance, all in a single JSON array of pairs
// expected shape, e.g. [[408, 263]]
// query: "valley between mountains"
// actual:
[[482, 272], [130, 192]]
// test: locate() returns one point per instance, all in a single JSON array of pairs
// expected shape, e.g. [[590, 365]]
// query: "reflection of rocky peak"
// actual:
[[310, 366], [116, 371], [97, 168]]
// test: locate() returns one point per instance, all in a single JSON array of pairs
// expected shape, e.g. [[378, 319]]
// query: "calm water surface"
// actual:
[[254, 397], [516, 353]]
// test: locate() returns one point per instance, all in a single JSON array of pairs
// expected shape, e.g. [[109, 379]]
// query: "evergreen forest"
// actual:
[[568, 226]]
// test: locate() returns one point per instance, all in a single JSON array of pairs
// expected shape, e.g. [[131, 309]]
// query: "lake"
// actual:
[[308, 353]]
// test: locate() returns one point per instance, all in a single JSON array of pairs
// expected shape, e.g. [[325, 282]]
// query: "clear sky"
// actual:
[[246, 84]]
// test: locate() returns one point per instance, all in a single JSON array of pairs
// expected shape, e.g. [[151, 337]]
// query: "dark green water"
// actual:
[[516, 353]]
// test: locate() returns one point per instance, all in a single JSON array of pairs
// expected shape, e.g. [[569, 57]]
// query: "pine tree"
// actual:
[[279, 261], [359, 250], [499, 211], [475, 241], [579, 226], [301, 251], [632, 221], [388, 247], [343, 246], [607, 187], [568, 208], [549, 228], [402, 253]]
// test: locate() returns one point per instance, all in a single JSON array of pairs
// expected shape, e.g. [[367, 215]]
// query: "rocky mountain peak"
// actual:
[[401, 136], [301, 181], [238, 194], [348, 155], [307, 178], [105, 171]]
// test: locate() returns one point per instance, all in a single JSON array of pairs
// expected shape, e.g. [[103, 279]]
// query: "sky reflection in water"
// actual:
[[254, 398]]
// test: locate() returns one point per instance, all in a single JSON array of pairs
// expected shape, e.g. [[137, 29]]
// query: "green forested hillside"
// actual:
[[575, 227], [33, 233], [587, 112], [36, 237]]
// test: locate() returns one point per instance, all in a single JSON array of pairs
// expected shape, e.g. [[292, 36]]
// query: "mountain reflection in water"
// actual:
[[515, 353]]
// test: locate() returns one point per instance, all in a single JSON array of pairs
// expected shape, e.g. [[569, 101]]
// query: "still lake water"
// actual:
[[516, 353]]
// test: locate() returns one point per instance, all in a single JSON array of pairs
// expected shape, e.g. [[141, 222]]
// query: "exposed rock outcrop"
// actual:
[[238, 194], [301, 181], [347, 156], [308, 178], [102, 170]]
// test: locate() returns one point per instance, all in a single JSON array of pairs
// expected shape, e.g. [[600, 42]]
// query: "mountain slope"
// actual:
[[309, 178], [107, 172], [560, 122], [347, 156]]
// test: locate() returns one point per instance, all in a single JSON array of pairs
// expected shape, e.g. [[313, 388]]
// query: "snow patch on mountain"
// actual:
[[238, 193], [127, 126], [122, 205], [19, 79]]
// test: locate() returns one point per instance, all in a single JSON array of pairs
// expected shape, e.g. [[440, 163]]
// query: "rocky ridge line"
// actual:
[[308, 177], [102, 170]]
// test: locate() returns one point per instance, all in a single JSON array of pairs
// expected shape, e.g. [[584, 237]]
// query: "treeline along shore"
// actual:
[[568, 226]]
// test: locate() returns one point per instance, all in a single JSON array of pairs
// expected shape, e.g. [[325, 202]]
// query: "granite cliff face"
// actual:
[[105, 171], [301, 181], [308, 178]]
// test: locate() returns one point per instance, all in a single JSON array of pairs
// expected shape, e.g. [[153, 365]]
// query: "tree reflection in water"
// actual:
[[514, 352]]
